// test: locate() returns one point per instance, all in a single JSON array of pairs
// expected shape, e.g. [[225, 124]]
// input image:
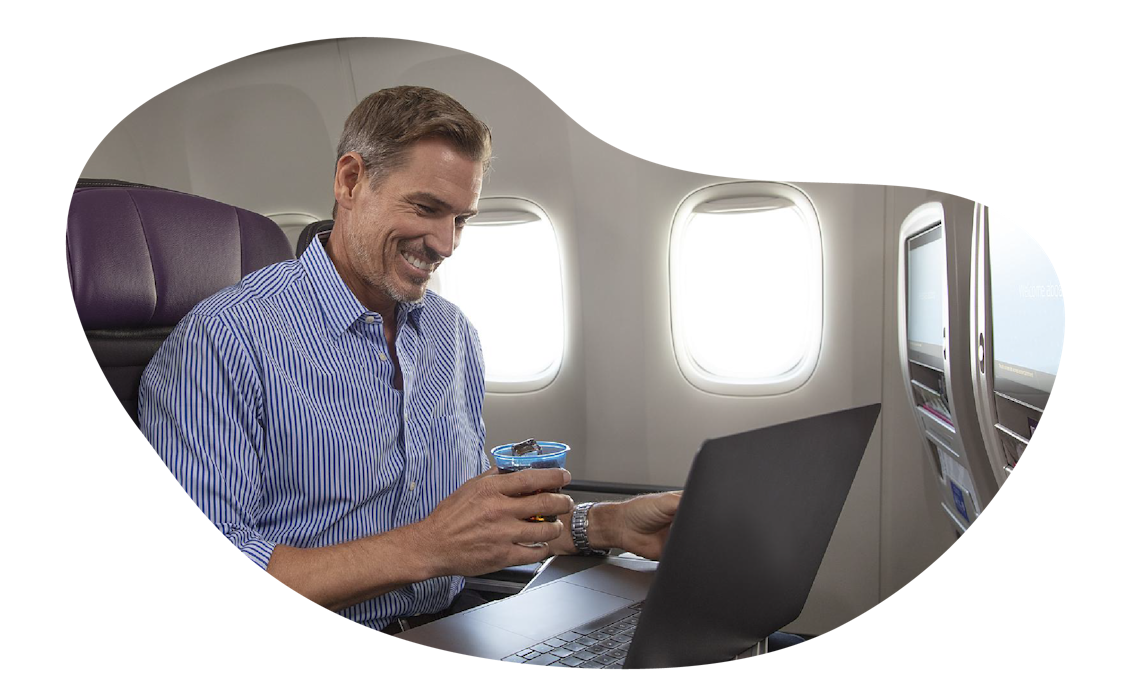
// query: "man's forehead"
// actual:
[[437, 169]]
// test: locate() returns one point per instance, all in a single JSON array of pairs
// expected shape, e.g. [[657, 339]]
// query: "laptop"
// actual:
[[757, 514]]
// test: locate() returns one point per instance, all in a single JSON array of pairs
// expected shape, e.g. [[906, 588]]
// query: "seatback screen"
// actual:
[[1028, 312], [925, 289]]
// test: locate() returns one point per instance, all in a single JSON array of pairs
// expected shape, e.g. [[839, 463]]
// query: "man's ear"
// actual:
[[350, 177]]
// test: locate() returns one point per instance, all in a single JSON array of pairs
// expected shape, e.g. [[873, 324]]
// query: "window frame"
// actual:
[[756, 192], [496, 207]]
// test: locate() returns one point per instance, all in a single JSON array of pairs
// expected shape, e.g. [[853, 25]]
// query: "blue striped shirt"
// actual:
[[272, 403]]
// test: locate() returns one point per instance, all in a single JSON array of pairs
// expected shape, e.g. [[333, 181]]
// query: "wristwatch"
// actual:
[[579, 521]]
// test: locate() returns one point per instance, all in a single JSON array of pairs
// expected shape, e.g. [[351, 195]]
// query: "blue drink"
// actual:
[[550, 455]]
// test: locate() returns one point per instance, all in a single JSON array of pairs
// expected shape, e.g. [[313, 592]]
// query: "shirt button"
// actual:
[[411, 486], [369, 319], [383, 357]]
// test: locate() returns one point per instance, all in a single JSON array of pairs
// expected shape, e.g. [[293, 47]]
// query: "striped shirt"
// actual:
[[272, 403]]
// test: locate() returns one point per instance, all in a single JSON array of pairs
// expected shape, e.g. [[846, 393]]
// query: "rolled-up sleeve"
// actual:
[[200, 406]]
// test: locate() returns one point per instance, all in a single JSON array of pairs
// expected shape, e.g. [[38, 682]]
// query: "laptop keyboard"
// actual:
[[598, 644]]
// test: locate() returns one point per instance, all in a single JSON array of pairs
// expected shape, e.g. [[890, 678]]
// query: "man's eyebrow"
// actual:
[[432, 200]]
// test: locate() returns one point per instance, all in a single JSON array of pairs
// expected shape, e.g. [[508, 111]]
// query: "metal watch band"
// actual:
[[579, 521]]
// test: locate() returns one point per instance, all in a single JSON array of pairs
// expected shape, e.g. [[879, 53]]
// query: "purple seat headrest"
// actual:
[[140, 257]]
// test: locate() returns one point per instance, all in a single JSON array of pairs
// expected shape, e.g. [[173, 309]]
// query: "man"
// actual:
[[326, 413]]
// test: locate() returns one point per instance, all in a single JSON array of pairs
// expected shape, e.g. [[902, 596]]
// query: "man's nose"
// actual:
[[442, 238]]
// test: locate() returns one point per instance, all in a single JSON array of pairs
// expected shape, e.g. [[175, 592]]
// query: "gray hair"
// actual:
[[387, 123]]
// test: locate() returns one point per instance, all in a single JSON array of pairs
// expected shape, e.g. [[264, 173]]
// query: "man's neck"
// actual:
[[371, 298]]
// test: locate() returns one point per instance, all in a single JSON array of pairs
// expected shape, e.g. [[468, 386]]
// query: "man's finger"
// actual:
[[536, 532], [528, 481], [669, 502], [528, 554], [523, 507], [490, 472]]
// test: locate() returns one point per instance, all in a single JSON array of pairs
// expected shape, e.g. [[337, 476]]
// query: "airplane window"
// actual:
[[506, 277], [745, 270]]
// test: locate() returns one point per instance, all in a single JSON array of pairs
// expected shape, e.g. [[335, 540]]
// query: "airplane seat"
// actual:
[[310, 232], [505, 582], [140, 257]]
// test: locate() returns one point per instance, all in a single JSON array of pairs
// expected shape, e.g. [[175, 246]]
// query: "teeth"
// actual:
[[417, 263]]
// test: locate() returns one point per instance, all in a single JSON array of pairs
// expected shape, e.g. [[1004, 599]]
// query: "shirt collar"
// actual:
[[340, 306]]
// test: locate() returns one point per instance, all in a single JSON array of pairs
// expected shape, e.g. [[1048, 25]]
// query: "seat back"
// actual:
[[310, 232], [139, 258]]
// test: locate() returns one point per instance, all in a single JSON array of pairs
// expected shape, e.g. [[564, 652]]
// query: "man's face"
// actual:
[[400, 232]]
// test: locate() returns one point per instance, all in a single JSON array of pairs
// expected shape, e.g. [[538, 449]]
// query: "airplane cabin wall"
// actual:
[[915, 529], [261, 133]]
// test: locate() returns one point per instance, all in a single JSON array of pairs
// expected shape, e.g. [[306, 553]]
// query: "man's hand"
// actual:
[[483, 526], [639, 525]]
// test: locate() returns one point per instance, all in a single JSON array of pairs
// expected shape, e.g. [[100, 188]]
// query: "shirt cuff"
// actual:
[[257, 548]]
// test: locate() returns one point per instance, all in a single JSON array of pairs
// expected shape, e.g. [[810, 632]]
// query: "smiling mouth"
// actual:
[[419, 264]]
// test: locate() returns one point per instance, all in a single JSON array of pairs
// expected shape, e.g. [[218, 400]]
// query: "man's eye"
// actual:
[[424, 209]]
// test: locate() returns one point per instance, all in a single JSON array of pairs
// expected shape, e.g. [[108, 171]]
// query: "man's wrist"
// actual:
[[579, 529], [604, 530], [421, 551]]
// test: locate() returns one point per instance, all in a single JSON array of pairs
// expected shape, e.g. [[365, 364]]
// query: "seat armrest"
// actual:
[[510, 580]]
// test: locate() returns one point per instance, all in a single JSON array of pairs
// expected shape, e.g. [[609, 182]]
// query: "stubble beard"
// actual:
[[381, 280]]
